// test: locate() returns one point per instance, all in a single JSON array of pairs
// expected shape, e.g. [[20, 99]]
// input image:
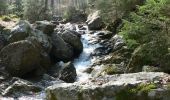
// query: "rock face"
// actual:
[[20, 57], [17, 87], [136, 86], [20, 32], [45, 26], [68, 73], [43, 39], [72, 40], [117, 42], [61, 51], [94, 21]]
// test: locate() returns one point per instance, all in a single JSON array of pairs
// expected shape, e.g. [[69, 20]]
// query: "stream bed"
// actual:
[[82, 63]]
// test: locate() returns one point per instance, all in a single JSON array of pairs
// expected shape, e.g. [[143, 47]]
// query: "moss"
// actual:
[[6, 18], [130, 93], [145, 88], [113, 69]]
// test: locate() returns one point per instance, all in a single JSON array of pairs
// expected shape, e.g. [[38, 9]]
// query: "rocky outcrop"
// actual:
[[94, 21], [20, 57], [104, 34], [20, 32], [136, 86], [18, 87], [61, 51], [73, 40], [45, 26]]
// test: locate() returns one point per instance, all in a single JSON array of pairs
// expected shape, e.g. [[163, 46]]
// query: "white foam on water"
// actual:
[[85, 59]]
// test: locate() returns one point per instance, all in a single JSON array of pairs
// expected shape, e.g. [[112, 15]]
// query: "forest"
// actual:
[[84, 49]]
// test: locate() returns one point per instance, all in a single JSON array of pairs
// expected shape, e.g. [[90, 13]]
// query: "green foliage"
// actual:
[[146, 25], [35, 10], [69, 13], [131, 93], [111, 10]]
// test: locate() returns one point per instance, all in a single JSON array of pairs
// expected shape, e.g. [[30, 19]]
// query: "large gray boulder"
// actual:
[[20, 57], [136, 86], [20, 31], [73, 40], [45, 26], [94, 21], [43, 39], [61, 51]]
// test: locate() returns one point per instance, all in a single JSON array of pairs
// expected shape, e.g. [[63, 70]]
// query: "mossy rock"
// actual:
[[139, 92], [113, 69], [148, 54]]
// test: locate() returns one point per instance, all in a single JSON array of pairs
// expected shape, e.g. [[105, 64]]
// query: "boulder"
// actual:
[[44, 56], [68, 73], [104, 34], [72, 40], [94, 21], [43, 39], [45, 26], [61, 51], [136, 86], [3, 41], [20, 31], [117, 42], [18, 87], [20, 57]]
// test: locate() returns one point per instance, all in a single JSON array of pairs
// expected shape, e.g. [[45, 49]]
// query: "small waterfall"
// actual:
[[85, 59]]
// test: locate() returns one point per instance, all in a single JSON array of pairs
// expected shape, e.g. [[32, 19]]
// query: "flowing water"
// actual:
[[84, 61]]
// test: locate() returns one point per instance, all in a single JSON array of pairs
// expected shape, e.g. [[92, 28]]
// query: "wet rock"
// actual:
[[69, 26], [61, 51], [20, 31], [72, 40], [75, 33], [68, 73], [117, 42], [104, 34], [94, 21], [119, 87], [19, 87], [20, 57], [88, 70], [45, 26]]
